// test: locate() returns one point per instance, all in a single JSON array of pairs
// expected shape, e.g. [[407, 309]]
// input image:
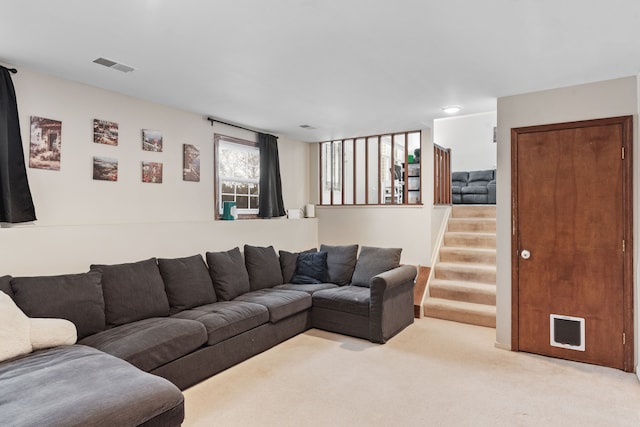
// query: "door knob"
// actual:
[[525, 254]]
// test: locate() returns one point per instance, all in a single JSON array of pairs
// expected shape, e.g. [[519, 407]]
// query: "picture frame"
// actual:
[[152, 140], [105, 168], [190, 163], [45, 143], [152, 172], [105, 132]]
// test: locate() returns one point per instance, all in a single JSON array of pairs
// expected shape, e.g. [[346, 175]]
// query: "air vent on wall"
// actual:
[[112, 64]]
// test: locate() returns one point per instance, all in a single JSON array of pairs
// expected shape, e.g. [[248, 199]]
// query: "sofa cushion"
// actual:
[[81, 386], [288, 262], [311, 268], [263, 267], [280, 303], [475, 190], [229, 275], [5, 285], [150, 343], [480, 178], [373, 261], [341, 261], [226, 319], [132, 291], [75, 297], [349, 299], [187, 282], [459, 179], [309, 288]]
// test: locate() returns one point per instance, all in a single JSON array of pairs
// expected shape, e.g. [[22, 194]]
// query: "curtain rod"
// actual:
[[211, 119]]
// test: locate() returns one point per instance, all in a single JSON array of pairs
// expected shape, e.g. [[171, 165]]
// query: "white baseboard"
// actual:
[[502, 346]]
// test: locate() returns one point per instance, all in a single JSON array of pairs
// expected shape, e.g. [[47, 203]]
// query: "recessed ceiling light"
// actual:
[[451, 109]]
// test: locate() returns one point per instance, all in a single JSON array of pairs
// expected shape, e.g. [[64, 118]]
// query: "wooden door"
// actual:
[[572, 221]]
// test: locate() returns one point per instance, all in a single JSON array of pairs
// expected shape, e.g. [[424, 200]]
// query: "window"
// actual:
[[373, 170], [237, 176]]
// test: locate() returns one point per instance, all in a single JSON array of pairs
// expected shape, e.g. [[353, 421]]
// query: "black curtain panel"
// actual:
[[270, 197], [16, 204]]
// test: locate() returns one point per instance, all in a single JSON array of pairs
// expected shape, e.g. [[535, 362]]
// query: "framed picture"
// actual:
[[45, 144], [191, 163], [105, 132], [151, 140], [152, 172], [105, 168]]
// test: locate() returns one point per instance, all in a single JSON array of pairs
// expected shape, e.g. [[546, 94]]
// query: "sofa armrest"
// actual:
[[391, 303], [491, 187], [392, 279]]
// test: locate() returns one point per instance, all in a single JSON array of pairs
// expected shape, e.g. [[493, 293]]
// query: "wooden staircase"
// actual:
[[463, 286]]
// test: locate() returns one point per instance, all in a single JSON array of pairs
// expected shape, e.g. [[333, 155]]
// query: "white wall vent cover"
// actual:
[[567, 332], [112, 64]]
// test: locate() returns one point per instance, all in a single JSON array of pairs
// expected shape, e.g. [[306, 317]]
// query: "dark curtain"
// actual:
[[270, 195], [16, 204]]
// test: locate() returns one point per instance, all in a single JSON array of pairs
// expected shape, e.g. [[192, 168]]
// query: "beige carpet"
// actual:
[[435, 373]]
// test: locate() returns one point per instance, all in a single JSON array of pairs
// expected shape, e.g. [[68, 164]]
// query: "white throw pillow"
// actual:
[[15, 336], [46, 333]]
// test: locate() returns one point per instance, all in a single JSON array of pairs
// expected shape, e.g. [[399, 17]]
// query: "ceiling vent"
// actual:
[[308, 127], [112, 64]]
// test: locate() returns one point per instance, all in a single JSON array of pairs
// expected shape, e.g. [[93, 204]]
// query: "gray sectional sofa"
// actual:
[[184, 320], [474, 187]]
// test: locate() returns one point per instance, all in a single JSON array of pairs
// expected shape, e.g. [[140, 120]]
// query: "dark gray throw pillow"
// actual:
[[229, 275], [341, 261], [133, 291], [75, 297], [187, 282], [288, 262], [373, 261], [310, 268], [5, 285], [263, 267]]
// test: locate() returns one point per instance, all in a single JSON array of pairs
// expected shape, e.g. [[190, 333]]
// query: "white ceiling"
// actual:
[[346, 67]]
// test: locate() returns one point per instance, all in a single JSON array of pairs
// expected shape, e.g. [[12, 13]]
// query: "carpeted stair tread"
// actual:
[[487, 225], [473, 240], [460, 311], [473, 211], [479, 293], [468, 255], [481, 273]]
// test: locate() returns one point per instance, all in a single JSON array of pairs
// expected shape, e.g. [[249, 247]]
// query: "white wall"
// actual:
[[590, 101], [81, 220], [470, 139], [407, 227]]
